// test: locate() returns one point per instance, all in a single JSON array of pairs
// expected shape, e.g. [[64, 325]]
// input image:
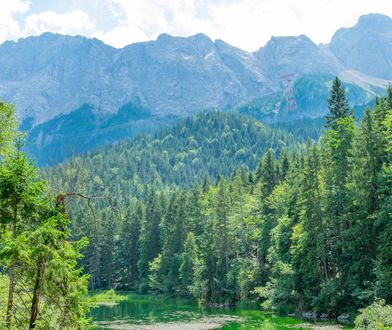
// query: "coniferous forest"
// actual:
[[220, 208]]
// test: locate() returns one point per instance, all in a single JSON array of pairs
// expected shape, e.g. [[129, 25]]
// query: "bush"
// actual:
[[377, 316]]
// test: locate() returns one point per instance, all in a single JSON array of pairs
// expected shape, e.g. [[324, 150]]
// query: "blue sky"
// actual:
[[247, 24]]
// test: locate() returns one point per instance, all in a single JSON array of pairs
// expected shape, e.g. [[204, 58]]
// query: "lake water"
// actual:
[[147, 312]]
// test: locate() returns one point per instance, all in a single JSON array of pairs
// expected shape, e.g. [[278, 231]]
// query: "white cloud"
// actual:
[[145, 20], [9, 26], [72, 23], [247, 24], [121, 35]]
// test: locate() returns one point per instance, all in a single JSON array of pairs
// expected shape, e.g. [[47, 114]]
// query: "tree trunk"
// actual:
[[10, 304], [10, 296], [36, 292]]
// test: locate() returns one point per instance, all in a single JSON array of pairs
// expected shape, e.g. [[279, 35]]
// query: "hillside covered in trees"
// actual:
[[209, 144], [304, 229]]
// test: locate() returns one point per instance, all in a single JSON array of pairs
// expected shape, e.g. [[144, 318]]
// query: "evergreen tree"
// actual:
[[266, 175], [58, 284], [35, 249], [129, 248], [222, 242], [108, 243], [189, 262], [150, 241], [384, 222], [21, 193], [337, 149], [309, 229], [309, 255], [337, 104]]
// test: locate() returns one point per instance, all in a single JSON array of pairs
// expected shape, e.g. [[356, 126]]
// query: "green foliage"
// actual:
[[337, 104], [307, 230], [189, 263], [83, 129], [207, 144], [107, 297], [311, 93], [8, 125], [45, 285], [377, 316]]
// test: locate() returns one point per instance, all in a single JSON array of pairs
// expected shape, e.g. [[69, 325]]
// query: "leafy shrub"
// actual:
[[377, 316]]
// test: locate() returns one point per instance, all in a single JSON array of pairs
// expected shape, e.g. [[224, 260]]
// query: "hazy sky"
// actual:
[[247, 24]]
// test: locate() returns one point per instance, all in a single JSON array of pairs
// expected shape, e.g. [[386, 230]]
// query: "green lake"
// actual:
[[146, 312]]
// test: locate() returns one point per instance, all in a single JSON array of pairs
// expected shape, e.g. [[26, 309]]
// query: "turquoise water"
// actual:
[[143, 311]]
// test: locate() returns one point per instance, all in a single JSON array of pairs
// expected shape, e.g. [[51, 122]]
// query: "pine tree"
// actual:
[[309, 239], [166, 277], [389, 97], [266, 174], [384, 221], [189, 262], [337, 104], [150, 238], [21, 193], [336, 155], [128, 253], [108, 243]]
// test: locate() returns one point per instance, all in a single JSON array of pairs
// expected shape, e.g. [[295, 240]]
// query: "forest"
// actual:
[[220, 208]]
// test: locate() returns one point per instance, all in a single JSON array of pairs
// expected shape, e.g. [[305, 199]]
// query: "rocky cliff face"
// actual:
[[366, 47], [296, 55], [53, 74]]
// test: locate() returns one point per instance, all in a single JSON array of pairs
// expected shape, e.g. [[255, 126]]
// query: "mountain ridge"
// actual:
[[161, 74], [172, 77]]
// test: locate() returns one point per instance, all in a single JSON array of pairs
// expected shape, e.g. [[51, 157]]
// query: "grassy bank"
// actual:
[[107, 298]]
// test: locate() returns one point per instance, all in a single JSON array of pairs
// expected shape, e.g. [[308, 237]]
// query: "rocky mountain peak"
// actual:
[[375, 22], [296, 55], [367, 46]]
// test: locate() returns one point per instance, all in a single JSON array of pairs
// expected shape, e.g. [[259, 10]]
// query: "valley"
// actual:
[[184, 183]]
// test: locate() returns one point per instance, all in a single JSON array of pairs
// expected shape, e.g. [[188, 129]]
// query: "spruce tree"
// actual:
[[189, 262], [150, 238], [337, 104], [128, 251]]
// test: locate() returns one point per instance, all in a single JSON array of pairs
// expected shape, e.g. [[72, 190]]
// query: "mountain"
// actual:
[[53, 74], [366, 47], [59, 81], [82, 130], [297, 56], [311, 92]]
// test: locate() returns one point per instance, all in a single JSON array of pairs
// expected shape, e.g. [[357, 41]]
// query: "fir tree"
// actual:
[[337, 104]]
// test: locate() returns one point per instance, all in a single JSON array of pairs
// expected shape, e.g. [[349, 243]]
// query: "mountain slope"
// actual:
[[83, 129], [53, 74], [366, 47], [311, 93], [51, 77], [297, 56], [208, 144]]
